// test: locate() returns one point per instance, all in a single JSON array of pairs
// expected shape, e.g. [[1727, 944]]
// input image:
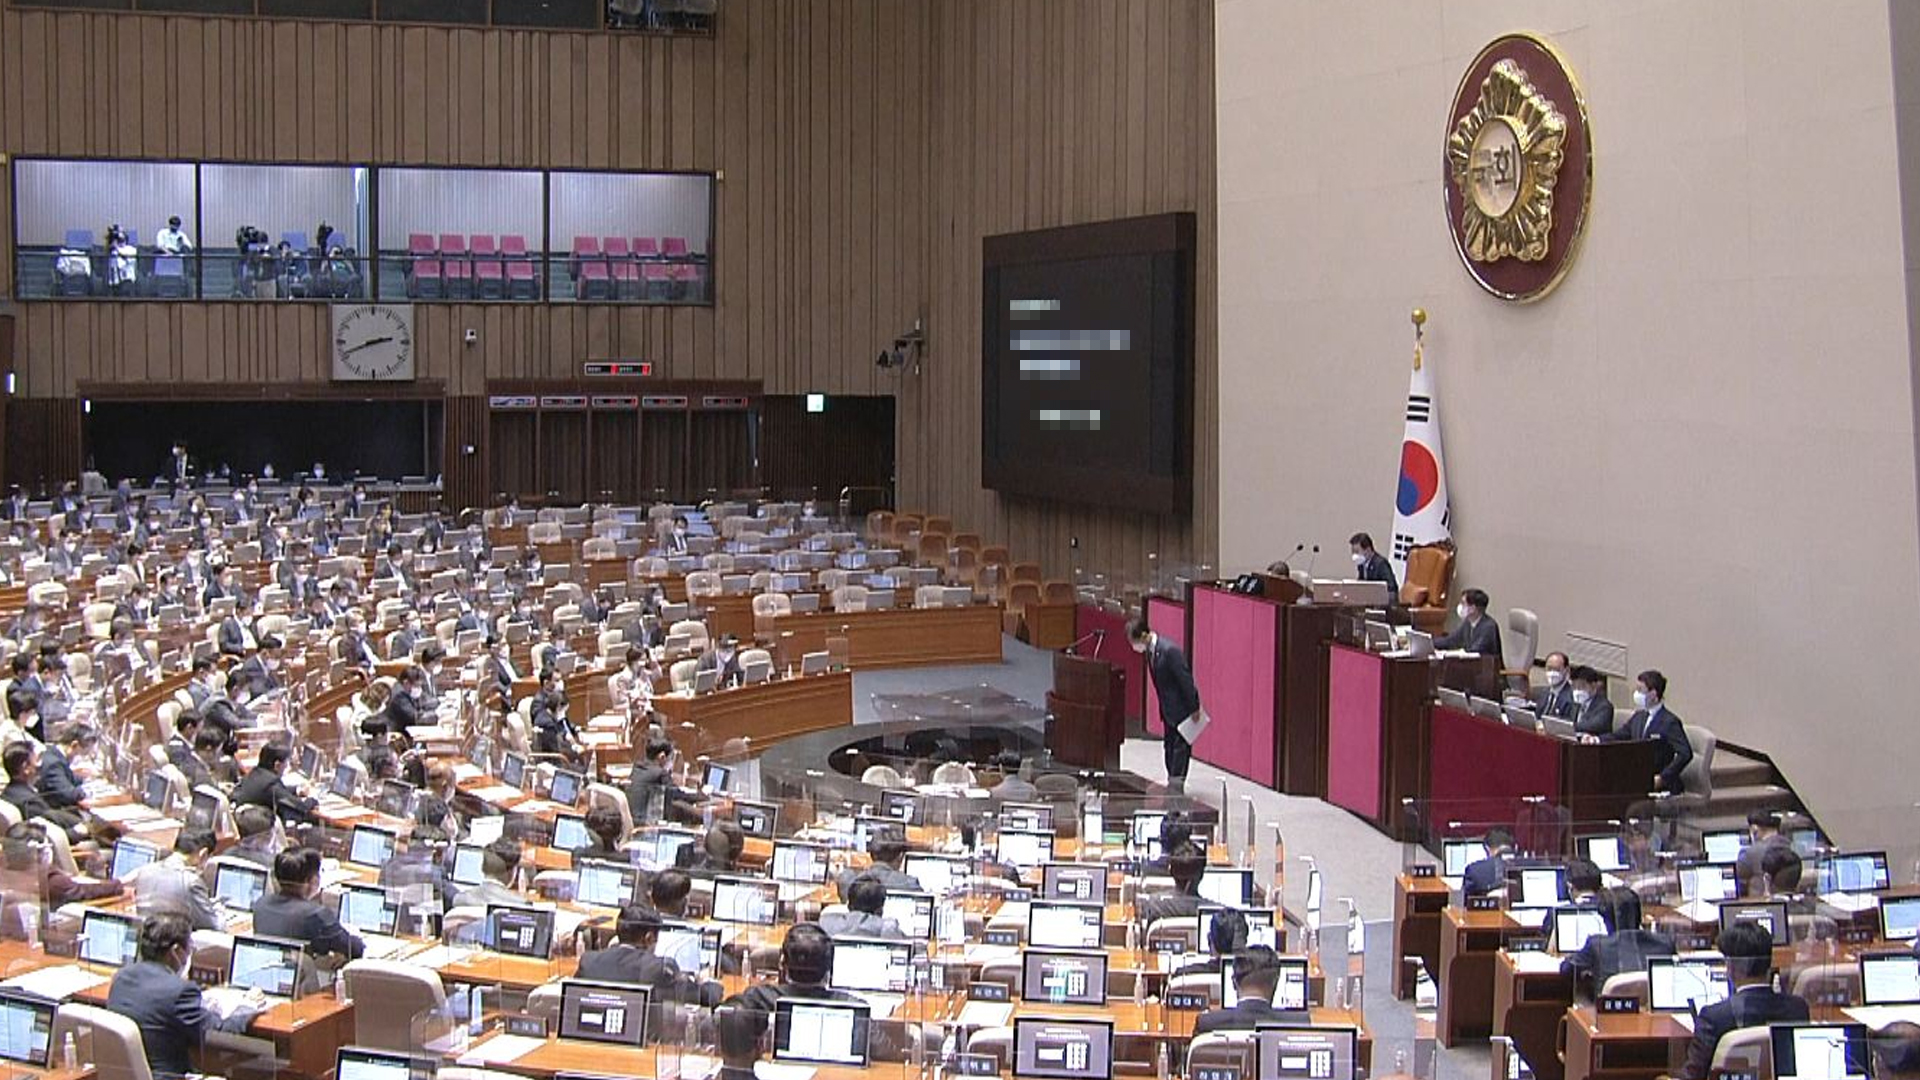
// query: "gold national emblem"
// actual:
[[1518, 163]]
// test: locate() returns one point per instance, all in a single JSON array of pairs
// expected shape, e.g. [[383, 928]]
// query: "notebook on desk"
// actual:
[[57, 983]]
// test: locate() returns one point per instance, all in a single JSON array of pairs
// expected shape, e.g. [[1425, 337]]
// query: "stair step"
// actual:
[[1740, 799], [1741, 773]]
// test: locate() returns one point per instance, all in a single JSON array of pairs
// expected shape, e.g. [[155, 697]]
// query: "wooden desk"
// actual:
[[1527, 1007], [1639, 1046], [305, 1032], [521, 973], [1131, 1022], [903, 637], [1469, 941], [766, 712], [1417, 907], [1483, 771]]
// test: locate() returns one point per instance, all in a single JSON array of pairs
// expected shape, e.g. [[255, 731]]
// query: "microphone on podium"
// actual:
[[1311, 560], [1091, 635]]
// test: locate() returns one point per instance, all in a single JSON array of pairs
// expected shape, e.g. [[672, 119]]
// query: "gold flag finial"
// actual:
[[1419, 332]]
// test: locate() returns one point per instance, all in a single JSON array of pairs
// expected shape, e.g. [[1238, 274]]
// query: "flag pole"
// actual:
[[1419, 334]]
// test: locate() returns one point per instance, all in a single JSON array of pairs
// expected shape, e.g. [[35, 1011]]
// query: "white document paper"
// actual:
[[1192, 726]]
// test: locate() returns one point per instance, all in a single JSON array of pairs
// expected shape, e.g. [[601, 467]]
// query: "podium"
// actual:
[[1088, 706]]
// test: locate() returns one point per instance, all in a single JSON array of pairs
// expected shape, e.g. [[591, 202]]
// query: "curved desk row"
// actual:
[[899, 637]]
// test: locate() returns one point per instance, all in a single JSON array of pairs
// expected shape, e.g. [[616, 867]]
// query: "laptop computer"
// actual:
[[812, 1032], [1058, 1048], [1820, 1052], [1890, 979], [604, 1012], [1686, 983], [1301, 1052], [1063, 977], [26, 1029]]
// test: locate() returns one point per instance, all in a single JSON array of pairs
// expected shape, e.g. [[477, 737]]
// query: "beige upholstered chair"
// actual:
[[388, 997]]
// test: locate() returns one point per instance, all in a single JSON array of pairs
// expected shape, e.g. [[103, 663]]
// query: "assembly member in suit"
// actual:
[[1624, 947], [1556, 698], [288, 909], [1477, 632], [1256, 973], [1748, 947], [1370, 565], [1653, 720], [233, 636], [630, 960], [725, 660], [1593, 711], [152, 993], [263, 786], [1763, 835], [1179, 697], [57, 782], [1490, 873]]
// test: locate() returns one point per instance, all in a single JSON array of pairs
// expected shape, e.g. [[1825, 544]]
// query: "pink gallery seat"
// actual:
[[646, 247], [674, 247]]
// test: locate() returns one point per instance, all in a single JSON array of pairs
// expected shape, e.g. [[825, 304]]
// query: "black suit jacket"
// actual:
[[1549, 701], [1484, 876], [1172, 681], [1247, 1014], [1482, 637], [1379, 569], [233, 636], [1596, 718], [33, 805], [58, 783], [1606, 955], [263, 787], [1750, 1006], [304, 921], [172, 1021], [1664, 726], [637, 967]]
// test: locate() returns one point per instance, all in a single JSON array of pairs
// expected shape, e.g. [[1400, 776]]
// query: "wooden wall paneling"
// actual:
[[866, 148], [615, 454], [512, 452], [663, 454], [465, 475]]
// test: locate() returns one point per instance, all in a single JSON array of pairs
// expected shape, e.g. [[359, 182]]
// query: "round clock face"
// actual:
[[373, 341]]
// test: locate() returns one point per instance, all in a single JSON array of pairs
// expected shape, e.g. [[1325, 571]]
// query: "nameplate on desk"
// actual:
[[1423, 870], [1003, 937], [1166, 946], [1217, 1072], [1610, 1005], [1019, 896], [1483, 903], [1527, 944], [206, 976], [1187, 1000], [989, 991], [1744, 1075], [533, 1027], [976, 1065], [1857, 933]]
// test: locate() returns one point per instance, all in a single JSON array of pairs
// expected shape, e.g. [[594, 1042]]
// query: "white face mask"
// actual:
[[1640, 699], [1359, 558], [1463, 611], [1555, 677], [1581, 697]]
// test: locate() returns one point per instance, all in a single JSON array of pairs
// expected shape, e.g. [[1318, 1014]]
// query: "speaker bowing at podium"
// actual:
[[1181, 716]]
